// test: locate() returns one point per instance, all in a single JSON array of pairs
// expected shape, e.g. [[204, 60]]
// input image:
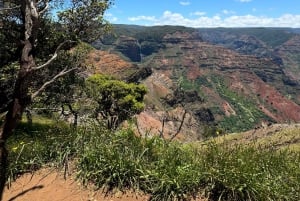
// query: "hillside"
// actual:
[[225, 79], [275, 137]]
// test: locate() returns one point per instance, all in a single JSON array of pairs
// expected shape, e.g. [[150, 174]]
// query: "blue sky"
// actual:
[[207, 13]]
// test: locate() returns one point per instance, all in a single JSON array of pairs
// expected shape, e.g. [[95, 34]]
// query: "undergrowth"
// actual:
[[165, 170]]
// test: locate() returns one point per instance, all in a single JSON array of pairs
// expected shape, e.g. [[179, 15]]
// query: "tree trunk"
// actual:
[[21, 97], [15, 110], [11, 120], [3, 167]]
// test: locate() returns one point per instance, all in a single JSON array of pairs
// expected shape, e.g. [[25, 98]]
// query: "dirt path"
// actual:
[[49, 185]]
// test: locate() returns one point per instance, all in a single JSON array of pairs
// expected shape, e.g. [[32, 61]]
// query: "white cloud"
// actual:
[[142, 18], [113, 19], [244, 1], [185, 3], [110, 17], [198, 13], [228, 12], [170, 18]]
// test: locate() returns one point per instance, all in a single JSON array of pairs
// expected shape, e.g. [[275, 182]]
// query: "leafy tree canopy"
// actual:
[[80, 20], [115, 99]]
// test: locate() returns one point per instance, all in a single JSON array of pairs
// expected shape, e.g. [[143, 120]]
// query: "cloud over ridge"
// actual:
[[199, 19]]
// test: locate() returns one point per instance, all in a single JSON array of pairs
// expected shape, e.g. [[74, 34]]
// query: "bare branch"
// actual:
[[10, 8], [161, 132], [53, 57], [138, 128], [45, 7], [60, 74], [181, 124]]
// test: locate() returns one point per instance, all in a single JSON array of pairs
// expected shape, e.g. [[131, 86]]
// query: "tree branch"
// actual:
[[45, 7], [10, 8], [60, 74], [161, 132], [53, 57], [181, 124]]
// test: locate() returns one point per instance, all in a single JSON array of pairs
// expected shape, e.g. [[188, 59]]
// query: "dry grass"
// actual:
[[278, 136]]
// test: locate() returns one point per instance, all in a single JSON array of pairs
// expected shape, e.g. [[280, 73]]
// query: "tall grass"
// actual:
[[165, 170], [42, 143]]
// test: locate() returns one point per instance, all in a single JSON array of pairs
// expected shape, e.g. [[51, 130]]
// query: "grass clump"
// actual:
[[42, 143], [250, 173], [174, 171], [125, 161], [109, 160], [164, 170]]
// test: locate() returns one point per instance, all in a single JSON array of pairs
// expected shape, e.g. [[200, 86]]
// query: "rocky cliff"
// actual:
[[207, 80]]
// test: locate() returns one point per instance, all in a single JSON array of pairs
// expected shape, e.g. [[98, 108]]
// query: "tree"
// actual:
[[67, 92], [116, 100], [23, 18]]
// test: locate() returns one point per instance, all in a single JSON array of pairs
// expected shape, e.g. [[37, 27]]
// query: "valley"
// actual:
[[240, 78]]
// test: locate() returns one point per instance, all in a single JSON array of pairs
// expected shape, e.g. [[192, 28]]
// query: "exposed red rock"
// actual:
[[185, 60]]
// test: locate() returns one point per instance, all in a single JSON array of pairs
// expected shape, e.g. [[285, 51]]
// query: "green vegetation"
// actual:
[[276, 137], [273, 37], [115, 99], [152, 34], [165, 170], [247, 114], [45, 142], [43, 39], [195, 84]]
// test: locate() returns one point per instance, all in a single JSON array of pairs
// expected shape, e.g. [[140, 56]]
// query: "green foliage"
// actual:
[[109, 160], [125, 161], [115, 97], [194, 84], [152, 34], [165, 170], [42, 143], [81, 20], [273, 37], [173, 171], [247, 114], [7, 79], [84, 19], [250, 173], [156, 33], [67, 89]]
